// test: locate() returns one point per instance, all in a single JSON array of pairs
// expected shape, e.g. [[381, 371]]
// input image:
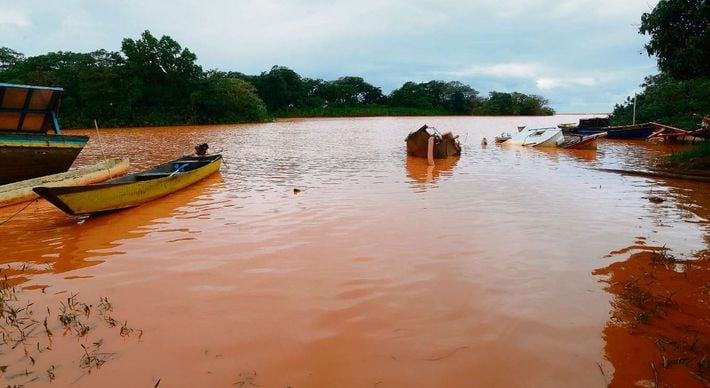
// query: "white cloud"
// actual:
[[14, 18], [549, 83], [518, 70], [572, 11]]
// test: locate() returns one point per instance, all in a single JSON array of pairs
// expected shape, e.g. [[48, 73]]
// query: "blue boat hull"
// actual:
[[640, 131]]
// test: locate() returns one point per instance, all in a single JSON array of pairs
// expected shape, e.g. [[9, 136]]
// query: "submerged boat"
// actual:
[[444, 145], [600, 124], [536, 137], [27, 148], [581, 142], [503, 137], [21, 191], [133, 189]]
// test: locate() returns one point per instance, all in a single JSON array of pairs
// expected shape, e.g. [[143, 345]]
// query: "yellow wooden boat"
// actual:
[[133, 189], [17, 192]]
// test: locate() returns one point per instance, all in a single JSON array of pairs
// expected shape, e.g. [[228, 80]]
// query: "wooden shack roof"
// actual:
[[25, 108]]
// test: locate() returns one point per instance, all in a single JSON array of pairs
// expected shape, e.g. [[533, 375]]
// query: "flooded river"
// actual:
[[378, 271]]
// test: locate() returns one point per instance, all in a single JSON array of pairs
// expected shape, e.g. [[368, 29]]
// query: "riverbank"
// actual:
[[660, 310]]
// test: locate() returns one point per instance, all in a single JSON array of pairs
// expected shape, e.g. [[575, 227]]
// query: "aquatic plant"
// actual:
[[659, 309], [24, 334], [695, 157]]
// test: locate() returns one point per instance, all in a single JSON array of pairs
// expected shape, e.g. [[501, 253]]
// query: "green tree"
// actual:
[[160, 75], [499, 103], [668, 101], [9, 58], [459, 98], [680, 37], [446, 97], [281, 89], [349, 91], [222, 99], [680, 40], [411, 95]]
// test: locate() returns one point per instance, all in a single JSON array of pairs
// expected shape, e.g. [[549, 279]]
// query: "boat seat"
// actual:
[[184, 163], [151, 175]]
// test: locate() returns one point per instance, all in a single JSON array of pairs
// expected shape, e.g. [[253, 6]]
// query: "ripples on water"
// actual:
[[381, 270]]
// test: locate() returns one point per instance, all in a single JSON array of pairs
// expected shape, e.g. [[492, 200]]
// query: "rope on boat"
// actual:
[[19, 211], [101, 145], [177, 170]]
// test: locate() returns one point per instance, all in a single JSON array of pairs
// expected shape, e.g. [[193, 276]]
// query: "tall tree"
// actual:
[[161, 74], [666, 100], [680, 37], [281, 88], [451, 97], [411, 95], [222, 99], [8, 58], [349, 91]]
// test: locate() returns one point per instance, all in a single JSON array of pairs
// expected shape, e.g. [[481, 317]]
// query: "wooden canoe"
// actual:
[[133, 189], [13, 193]]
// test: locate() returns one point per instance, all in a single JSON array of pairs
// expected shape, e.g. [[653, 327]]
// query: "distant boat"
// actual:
[[444, 145], [17, 192], [27, 150], [536, 137], [601, 124], [133, 189]]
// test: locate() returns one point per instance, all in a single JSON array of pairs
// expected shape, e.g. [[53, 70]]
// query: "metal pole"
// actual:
[[634, 119]]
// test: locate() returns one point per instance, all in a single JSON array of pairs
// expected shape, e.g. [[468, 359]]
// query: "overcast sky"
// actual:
[[582, 55]]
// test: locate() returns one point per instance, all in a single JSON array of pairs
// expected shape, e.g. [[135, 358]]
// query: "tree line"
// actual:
[[680, 41], [154, 81]]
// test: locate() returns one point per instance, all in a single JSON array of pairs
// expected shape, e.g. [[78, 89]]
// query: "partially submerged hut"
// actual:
[[427, 142]]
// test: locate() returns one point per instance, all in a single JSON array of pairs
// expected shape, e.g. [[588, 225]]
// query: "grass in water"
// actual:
[[26, 335], [695, 157]]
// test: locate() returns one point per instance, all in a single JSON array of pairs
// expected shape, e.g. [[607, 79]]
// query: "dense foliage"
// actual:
[[667, 100], [680, 40], [155, 81], [680, 37]]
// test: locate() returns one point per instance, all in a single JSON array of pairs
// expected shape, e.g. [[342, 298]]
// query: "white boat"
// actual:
[[537, 137], [503, 137]]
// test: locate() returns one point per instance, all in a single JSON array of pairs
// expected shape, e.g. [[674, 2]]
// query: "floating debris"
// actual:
[[655, 199]]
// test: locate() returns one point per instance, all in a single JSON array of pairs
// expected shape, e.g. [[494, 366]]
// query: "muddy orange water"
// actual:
[[381, 272]]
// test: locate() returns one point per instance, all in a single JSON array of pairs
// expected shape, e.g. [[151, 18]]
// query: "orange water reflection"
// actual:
[[366, 277], [61, 243], [422, 173], [659, 333]]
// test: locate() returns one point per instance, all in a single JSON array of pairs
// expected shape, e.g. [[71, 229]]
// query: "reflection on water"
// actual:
[[423, 174], [381, 271], [47, 242]]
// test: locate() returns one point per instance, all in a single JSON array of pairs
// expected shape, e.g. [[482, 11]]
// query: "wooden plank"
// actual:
[[668, 127]]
